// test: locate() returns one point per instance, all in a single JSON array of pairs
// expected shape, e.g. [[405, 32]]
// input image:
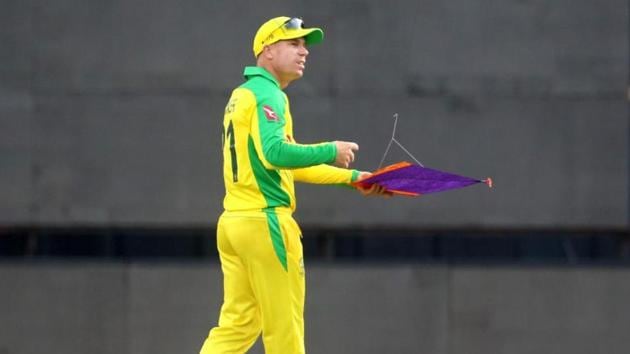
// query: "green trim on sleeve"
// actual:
[[355, 175], [334, 146]]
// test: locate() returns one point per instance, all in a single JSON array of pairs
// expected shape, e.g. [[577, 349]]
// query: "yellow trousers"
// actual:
[[263, 280]]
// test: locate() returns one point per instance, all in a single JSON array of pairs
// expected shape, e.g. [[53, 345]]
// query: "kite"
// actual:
[[414, 180], [410, 179]]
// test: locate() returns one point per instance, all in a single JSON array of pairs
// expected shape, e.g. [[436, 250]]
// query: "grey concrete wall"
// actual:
[[110, 111], [169, 308]]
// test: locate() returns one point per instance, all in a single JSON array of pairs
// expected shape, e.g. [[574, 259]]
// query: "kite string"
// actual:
[[408, 153], [393, 140], [386, 151]]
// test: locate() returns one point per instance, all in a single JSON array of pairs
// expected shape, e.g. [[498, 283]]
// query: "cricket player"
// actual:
[[258, 239]]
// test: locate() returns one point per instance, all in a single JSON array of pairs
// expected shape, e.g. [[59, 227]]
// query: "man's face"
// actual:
[[289, 58]]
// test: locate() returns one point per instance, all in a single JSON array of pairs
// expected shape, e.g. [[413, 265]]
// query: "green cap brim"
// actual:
[[314, 37], [311, 35]]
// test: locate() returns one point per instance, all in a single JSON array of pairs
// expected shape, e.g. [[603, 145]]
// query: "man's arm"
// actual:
[[325, 174], [269, 140], [268, 135]]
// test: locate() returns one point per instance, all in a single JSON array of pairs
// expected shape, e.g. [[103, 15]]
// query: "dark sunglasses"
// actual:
[[293, 23], [290, 25]]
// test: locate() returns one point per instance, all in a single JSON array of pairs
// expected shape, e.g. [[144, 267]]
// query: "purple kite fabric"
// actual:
[[410, 179]]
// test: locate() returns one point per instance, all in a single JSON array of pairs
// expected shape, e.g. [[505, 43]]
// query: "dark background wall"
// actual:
[[110, 181], [110, 111]]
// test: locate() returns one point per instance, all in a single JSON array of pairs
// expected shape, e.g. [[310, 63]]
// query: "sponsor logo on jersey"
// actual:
[[270, 114]]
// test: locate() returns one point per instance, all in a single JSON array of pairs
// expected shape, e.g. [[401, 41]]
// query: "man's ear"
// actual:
[[268, 52]]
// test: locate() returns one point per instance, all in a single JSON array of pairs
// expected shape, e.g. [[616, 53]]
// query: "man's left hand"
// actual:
[[374, 189]]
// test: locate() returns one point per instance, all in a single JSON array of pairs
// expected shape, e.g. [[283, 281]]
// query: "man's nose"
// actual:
[[304, 51]]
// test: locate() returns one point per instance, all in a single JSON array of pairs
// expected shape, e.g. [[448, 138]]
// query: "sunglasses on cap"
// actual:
[[293, 23], [290, 25]]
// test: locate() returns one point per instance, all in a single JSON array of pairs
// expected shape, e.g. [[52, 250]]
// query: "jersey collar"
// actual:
[[251, 71]]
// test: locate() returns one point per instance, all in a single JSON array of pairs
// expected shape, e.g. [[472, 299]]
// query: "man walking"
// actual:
[[258, 239]]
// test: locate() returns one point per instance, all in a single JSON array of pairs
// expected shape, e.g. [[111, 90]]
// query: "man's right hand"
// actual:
[[345, 153]]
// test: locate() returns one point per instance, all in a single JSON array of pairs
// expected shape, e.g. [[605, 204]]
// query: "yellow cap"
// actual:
[[281, 28]]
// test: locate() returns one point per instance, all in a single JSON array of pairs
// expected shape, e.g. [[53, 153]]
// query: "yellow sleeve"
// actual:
[[325, 174]]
